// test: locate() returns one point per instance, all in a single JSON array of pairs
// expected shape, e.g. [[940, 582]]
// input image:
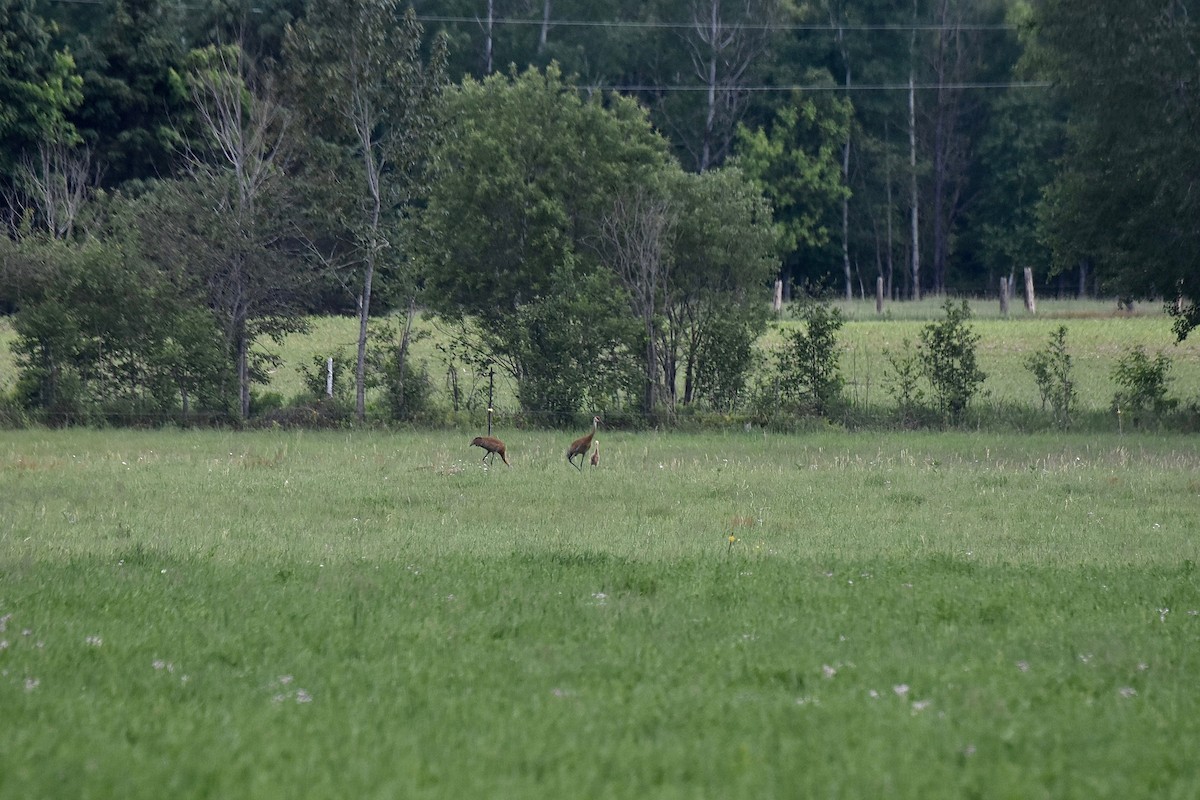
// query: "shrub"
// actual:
[[1143, 383], [1051, 368], [809, 365], [905, 377], [315, 375], [948, 360]]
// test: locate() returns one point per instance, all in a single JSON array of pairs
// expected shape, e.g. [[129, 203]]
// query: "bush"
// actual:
[[948, 360], [809, 365], [315, 375], [1051, 368], [1143, 384], [905, 376]]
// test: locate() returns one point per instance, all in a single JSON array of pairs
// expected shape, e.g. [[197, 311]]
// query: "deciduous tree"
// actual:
[[360, 76]]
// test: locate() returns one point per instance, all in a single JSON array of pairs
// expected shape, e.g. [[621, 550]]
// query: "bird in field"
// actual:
[[596, 456], [580, 446], [491, 446]]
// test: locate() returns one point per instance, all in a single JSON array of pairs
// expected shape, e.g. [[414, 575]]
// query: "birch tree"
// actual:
[[363, 84]]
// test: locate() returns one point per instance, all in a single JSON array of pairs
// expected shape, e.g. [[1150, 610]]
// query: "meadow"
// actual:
[[376, 614]]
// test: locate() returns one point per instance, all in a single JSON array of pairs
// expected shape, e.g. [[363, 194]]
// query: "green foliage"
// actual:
[[1051, 368], [39, 86], [105, 334], [948, 359], [569, 353], [315, 375], [133, 104], [1143, 383], [521, 188], [905, 374], [369, 97], [1127, 177], [726, 359], [809, 364], [721, 254], [796, 162]]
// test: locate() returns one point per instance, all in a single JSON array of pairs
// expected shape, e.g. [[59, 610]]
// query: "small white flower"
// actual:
[[1127, 691], [31, 684], [920, 705], [900, 689], [1023, 666], [303, 696], [1162, 614], [94, 641], [828, 670]]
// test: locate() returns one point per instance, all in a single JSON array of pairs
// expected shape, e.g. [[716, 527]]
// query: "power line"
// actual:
[[827, 27], [879, 87]]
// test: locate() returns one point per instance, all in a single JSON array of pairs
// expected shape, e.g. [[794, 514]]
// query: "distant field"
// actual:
[[1097, 336], [364, 614]]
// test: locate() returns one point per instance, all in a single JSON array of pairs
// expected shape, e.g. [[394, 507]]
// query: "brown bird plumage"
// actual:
[[580, 446], [596, 456], [491, 446]]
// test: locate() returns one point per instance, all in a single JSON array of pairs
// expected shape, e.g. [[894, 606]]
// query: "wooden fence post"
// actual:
[[491, 392], [1004, 295], [1030, 300], [879, 295]]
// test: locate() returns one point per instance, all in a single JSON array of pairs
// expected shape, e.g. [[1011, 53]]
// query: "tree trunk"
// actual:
[[360, 364], [402, 351], [487, 41], [544, 33], [912, 163], [846, 208], [243, 370]]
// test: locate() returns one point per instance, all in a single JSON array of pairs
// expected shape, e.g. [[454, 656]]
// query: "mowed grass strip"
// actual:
[[367, 614]]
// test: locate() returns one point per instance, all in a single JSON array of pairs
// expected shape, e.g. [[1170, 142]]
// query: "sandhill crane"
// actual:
[[596, 456], [580, 446], [491, 446]]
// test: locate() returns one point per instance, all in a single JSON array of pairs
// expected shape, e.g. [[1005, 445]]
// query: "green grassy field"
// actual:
[[363, 614]]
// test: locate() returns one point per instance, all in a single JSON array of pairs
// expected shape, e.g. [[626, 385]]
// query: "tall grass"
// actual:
[[363, 614]]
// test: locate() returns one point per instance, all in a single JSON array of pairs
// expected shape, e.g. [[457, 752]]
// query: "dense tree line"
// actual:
[[594, 194]]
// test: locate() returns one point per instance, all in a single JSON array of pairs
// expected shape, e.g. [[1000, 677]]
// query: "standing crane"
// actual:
[[596, 455], [491, 446], [580, 446]]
